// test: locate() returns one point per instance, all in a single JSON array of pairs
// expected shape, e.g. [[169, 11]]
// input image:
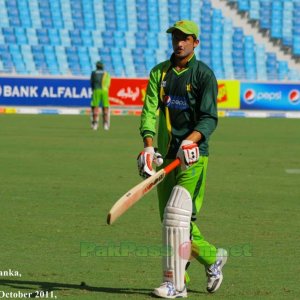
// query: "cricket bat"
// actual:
[[137, 192]]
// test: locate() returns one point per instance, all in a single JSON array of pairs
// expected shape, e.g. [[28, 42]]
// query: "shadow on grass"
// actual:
[[56, 286]]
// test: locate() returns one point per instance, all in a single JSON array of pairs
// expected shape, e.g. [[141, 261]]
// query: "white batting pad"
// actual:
[[176, 236]]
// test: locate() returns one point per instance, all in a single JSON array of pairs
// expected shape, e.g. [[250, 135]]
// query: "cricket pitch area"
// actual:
[[59, 179]]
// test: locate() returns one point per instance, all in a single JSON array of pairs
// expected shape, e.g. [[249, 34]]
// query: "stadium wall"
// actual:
[[71, 95]]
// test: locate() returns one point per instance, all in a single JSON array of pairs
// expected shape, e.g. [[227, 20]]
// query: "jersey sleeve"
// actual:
[[106, 81], [151, 103], [208, 114], [92, 80]]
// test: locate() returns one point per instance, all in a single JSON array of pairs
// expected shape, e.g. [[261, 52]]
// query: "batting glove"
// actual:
[[145, 160], [188, 154]]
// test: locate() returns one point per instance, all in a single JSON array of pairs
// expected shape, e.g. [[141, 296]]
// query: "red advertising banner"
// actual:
[[131, 92], [127, 92]]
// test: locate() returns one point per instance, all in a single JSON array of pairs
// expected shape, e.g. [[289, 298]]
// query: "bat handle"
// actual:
[[172, 165]]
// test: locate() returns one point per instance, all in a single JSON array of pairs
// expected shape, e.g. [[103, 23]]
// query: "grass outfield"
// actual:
[[58, 180]]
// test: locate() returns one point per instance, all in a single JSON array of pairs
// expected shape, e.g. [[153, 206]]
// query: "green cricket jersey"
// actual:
[[187, 101], [100, 80]]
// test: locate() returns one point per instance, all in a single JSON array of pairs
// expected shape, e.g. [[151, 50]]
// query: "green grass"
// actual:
[[58, 180]]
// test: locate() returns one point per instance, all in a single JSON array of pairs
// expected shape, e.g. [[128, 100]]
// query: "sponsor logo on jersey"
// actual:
[[176, 102]]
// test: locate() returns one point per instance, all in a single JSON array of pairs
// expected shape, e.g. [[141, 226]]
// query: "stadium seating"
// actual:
[[280, 19], [58, 37]]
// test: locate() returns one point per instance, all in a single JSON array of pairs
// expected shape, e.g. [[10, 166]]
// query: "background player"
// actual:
[[100, 83]]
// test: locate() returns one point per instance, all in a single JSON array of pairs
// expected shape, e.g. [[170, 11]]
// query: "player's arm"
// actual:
[[107, 81], [195, 137], [148, 141], [148, 116], [148, 127], [92, 80], [207, 114], [206, 123]]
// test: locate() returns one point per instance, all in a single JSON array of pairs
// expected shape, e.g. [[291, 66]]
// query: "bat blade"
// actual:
[[138, 191], [134, 195]]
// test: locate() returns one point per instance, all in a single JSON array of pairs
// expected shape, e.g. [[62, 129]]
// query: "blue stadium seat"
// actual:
[[47, 22], [54, 36], [42, 36], [57, 18], [73, 59], [153, 15], [4, 48], [121, 15], [13, 13], [152, 41], [250, 58], [271, 66], [84, 60], [108, 38], [296, 46], [45, 13], [110, 20], [87, 39], [265, 15], [24, 14], [71, 50], [78, 23], [9, 36], [117, 62], [150, 60], [43, 4], [283, 70], [119, 39], [141, 39], [89, 23], [75, 37], [20, 35], [276, 29], [243, 5], [130, 39], [97, 39], [121, 22], [254, 9]]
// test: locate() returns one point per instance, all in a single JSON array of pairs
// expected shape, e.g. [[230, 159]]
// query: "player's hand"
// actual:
[[188, 154], [145, 160]]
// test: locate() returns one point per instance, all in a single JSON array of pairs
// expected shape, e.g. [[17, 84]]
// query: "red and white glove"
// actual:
[[145, 160], [188, 154]]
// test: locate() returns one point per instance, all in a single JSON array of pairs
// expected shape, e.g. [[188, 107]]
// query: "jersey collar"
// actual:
[[190, 62]]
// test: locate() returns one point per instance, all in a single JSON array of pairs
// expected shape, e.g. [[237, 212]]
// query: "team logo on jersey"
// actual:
[[176, 102], [163, 84], [188, 87]]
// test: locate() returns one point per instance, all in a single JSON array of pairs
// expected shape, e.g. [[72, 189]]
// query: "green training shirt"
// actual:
[[187, 101]]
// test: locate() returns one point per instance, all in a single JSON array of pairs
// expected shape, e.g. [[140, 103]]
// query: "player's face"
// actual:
[[183, 44]]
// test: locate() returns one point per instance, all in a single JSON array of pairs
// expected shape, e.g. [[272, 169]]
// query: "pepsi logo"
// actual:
[[294, 96], [249, 96], [167, 100]]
